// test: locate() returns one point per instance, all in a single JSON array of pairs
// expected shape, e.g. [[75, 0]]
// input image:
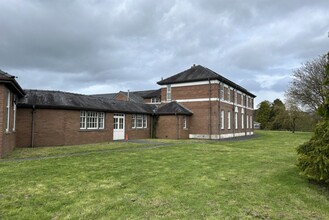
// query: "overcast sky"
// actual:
[[96, 46]]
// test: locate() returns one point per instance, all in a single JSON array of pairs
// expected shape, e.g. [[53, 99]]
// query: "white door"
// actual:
[[119, 127]]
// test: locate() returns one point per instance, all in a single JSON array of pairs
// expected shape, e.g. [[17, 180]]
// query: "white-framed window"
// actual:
[[236, 120], [184, 122], [221, 91], [228, 120], [251, 123], [229, 95], [155, 100], [92, 120], [242, 121], [169, 93], [247, 121], [8, 111], [235, 97], [14, 114], [138, 121], [242, 100], [222, 120]]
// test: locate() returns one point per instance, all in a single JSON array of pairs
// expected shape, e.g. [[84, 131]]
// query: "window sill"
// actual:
[[91, 130]]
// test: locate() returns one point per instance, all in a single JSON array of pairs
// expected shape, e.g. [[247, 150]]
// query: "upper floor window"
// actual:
[[169, 93], [229, 95], [155, 100], [92, 120], [8, 111], [139, 121], [235, 97], [221, 91]]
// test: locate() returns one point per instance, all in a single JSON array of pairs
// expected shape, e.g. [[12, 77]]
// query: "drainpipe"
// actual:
[[210, 119], [33, 126]]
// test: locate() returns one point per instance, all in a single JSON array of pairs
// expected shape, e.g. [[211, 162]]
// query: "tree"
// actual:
[[263, 114], [279, 116], [307, 87], [313, 156]]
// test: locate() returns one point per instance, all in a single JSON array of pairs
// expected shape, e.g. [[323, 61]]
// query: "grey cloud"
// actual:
[[72, 45]]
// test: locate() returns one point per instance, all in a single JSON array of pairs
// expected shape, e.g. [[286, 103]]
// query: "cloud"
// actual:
[[102, 46]]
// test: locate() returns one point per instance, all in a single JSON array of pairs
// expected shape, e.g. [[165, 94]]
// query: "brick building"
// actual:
[[10, 91], [196, 103]]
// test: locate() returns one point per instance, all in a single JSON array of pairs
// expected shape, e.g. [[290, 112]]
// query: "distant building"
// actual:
[[196, 103]]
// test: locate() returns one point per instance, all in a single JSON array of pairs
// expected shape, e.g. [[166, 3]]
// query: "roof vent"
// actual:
[[193, 65]]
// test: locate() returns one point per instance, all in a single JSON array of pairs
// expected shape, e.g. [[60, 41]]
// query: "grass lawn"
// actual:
[[251, 179]]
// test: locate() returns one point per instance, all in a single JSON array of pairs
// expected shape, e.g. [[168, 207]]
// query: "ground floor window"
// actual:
[[228, 120], [242, 121], [236, 120], [222, 120], [92, 120], [184, 122], [8, 111], [139, 121]]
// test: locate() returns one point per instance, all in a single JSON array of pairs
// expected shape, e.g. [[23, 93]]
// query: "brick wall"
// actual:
[[137, 133], [7, 139], [171, 126], [62, 127]]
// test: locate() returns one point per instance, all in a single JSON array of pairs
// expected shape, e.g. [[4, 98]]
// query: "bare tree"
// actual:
[[306, 88]]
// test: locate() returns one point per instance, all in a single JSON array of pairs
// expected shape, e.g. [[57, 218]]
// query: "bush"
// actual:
[[313, 156]]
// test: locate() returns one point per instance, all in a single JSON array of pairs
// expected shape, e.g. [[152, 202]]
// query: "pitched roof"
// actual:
[[134, 96], [200, 73], [12, 84], [64, 100], [173, 108], [153, 94]]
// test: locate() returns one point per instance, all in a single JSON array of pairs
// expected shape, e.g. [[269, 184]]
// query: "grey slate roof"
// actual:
[[200, 73], [11, 83], [134, 96], [153, 94], [106, 95], [173, 108], [65, 100]]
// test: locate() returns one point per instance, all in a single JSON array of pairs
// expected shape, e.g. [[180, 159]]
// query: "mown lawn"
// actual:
[[251, 179]]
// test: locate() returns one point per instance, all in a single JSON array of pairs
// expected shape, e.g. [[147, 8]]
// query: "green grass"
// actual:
[[252, 179]]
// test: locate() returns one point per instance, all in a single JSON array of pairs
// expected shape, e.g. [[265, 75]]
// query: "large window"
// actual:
[[92, 120], [236, 120], [228, 120], [242, 121], [251, 123], [222, 120], [8, 111], [139, 121], [169, 93], [247, 117]]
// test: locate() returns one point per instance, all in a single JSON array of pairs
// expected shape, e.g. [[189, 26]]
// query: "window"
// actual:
[[236, 120], [169, 93], [139, 121], [221, 91], [242, 121], [243, 100], [235, 97], [228, 120], [8, 111], [155, 100], [184, 122], [14, 111], [251, 123], [92, 120], [229, 95], [247, 121], [222, 120]]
